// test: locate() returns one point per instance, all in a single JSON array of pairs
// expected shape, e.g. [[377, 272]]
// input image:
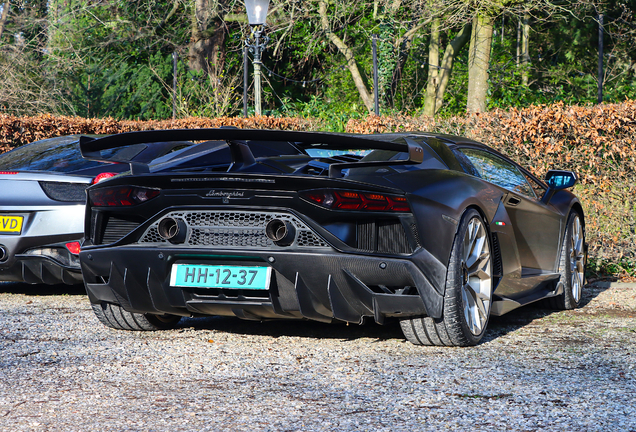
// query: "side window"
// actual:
[[499, 171], [536, 186], [465, 163]]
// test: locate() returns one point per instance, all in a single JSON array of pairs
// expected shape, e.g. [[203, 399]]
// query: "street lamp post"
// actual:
[[256, 15]]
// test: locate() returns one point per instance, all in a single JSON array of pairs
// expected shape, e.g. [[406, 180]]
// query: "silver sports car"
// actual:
[[42, 200]]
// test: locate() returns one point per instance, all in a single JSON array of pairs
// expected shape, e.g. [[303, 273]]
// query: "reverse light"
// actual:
[[360, 201], [121, 196], [73, 247], [103, 176]]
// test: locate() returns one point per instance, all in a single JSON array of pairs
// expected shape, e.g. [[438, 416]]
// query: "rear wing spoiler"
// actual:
[[241, 154]]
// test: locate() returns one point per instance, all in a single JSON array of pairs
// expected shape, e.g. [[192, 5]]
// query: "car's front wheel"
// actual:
[[468, 295], [114, 316]]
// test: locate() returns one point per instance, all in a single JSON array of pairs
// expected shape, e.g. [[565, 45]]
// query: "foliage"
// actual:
[[621, 268], [26, 86], [123, 89], [113, 58]]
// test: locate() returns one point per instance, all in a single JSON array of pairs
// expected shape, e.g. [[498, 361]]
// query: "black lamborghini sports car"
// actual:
[[437, 231]]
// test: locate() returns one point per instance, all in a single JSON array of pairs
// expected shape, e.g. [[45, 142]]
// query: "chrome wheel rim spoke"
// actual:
[[476, 277], [577, 257]]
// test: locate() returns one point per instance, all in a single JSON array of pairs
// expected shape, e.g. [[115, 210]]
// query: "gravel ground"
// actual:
[[60, 369]]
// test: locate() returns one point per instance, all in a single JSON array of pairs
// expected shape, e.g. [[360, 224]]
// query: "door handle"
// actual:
[[513, 200]]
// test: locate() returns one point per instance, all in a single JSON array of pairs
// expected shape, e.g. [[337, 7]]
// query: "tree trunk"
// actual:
[[518, 43], [207, 44], [450, 53], [366, 97], [403, 47], [478, 62], [433, 70], [525, 50], [5, 15]]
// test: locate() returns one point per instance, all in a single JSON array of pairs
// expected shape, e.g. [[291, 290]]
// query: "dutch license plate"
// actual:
[[220, 276], [11, 224]]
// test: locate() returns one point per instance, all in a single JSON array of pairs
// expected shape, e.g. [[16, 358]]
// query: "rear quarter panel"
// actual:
[[439, 198]]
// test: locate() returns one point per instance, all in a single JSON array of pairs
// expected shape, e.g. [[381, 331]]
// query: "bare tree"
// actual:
[[402, 44], [479, 61], [485, 14], [440, 76], [434, 69], [407, 19], [206, 51], [525, 48], [5, 14], [347, 52]]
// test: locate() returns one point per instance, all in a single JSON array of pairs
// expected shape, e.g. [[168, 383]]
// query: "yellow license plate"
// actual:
[[10, 224]]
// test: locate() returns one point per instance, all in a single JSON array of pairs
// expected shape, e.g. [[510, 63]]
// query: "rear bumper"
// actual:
[[27, 257], [321, 285], [40, 270]]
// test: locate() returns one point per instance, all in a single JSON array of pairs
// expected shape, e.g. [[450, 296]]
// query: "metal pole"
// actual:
[[245, 79], [257, 72], [256, 48], [518, 42], [600, 58], [175, 57], [376, 101]]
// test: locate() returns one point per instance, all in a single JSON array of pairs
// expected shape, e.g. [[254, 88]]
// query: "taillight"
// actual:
[[361, 201], [103, 176], [120, 196], [8, 172], [73, 247]]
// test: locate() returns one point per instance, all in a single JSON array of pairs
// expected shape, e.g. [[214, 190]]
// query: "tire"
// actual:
[[468, 293], [114, 316], [571, 265]]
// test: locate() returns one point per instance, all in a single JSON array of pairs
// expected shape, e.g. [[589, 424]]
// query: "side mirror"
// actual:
[[558, 180]]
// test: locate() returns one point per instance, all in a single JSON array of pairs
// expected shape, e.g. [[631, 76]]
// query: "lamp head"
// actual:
[[256, 11]]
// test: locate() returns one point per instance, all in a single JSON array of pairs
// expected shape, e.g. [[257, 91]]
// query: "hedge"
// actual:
[[597, 142], [15, 131]]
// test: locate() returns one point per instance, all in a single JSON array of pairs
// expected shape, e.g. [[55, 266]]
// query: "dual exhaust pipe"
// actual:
[[173, 230], [282, 233]]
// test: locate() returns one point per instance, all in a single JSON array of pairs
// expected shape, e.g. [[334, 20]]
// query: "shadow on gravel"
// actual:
[[518, 318], [41, 289], [497, 327], [297, 328]]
